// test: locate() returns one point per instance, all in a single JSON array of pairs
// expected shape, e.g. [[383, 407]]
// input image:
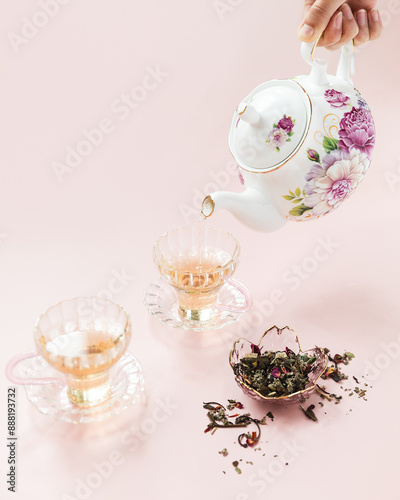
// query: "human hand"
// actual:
[[340, 22]]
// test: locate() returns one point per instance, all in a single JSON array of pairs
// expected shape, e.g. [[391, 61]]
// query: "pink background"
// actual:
[[61, 239]]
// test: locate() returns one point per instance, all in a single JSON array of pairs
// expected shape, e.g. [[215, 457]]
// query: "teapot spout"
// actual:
[[250, 207]]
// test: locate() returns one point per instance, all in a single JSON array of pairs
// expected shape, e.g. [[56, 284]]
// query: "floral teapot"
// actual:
[[302, 146]]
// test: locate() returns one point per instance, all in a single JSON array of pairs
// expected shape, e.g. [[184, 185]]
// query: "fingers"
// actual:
[[370, 26], [375, 24], [333, 32], [349, 28], [363, 33], [335, 19], [317, 18], [307, 7]]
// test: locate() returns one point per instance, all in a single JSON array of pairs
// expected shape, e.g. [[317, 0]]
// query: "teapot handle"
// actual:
[[344, 70], [307, 50], [345, 67]]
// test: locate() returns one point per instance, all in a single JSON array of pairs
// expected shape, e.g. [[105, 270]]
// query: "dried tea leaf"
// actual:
[[270, 415], [337, 398], [235, 465], [224, 452], [212, 405], [309, 413], [234, 404], [243, 419]]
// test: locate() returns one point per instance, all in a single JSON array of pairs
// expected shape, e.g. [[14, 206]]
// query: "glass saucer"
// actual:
[[161, 301], [127, 383]]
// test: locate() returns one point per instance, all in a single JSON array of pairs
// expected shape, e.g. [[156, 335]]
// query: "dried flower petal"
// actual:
[[275, 372], [209, 428], [289, 353], [252, 438]]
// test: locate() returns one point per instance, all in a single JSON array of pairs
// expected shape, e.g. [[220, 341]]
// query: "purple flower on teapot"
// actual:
[[336, 99], [286, 123], [357, 131]]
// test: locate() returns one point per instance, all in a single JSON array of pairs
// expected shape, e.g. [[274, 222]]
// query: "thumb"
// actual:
[[317, 18]]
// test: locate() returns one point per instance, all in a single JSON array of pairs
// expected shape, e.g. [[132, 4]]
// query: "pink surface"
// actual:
[[151, 167]]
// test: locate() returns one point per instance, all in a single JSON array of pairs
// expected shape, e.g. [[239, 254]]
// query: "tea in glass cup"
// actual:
[[197, 261], [82, 339]]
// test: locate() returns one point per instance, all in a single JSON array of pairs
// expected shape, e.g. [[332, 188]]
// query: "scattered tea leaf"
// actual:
[[270, 415], [234, 404], [212, 406], [309, 413], [224, 452], [249, 438], [334, 373], [219, 419], [348, 356], [235, 465]]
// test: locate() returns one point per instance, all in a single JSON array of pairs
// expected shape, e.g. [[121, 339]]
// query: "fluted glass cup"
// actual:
[[82, 339], [197, 261]]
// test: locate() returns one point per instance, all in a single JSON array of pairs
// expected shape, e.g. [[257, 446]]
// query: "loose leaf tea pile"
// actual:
[[275, 374]]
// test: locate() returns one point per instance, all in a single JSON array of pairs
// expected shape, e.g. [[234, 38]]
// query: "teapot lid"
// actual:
[[270, 125]]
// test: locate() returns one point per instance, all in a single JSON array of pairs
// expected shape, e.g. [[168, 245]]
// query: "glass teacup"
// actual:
[[197, 261], [82, 339]]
